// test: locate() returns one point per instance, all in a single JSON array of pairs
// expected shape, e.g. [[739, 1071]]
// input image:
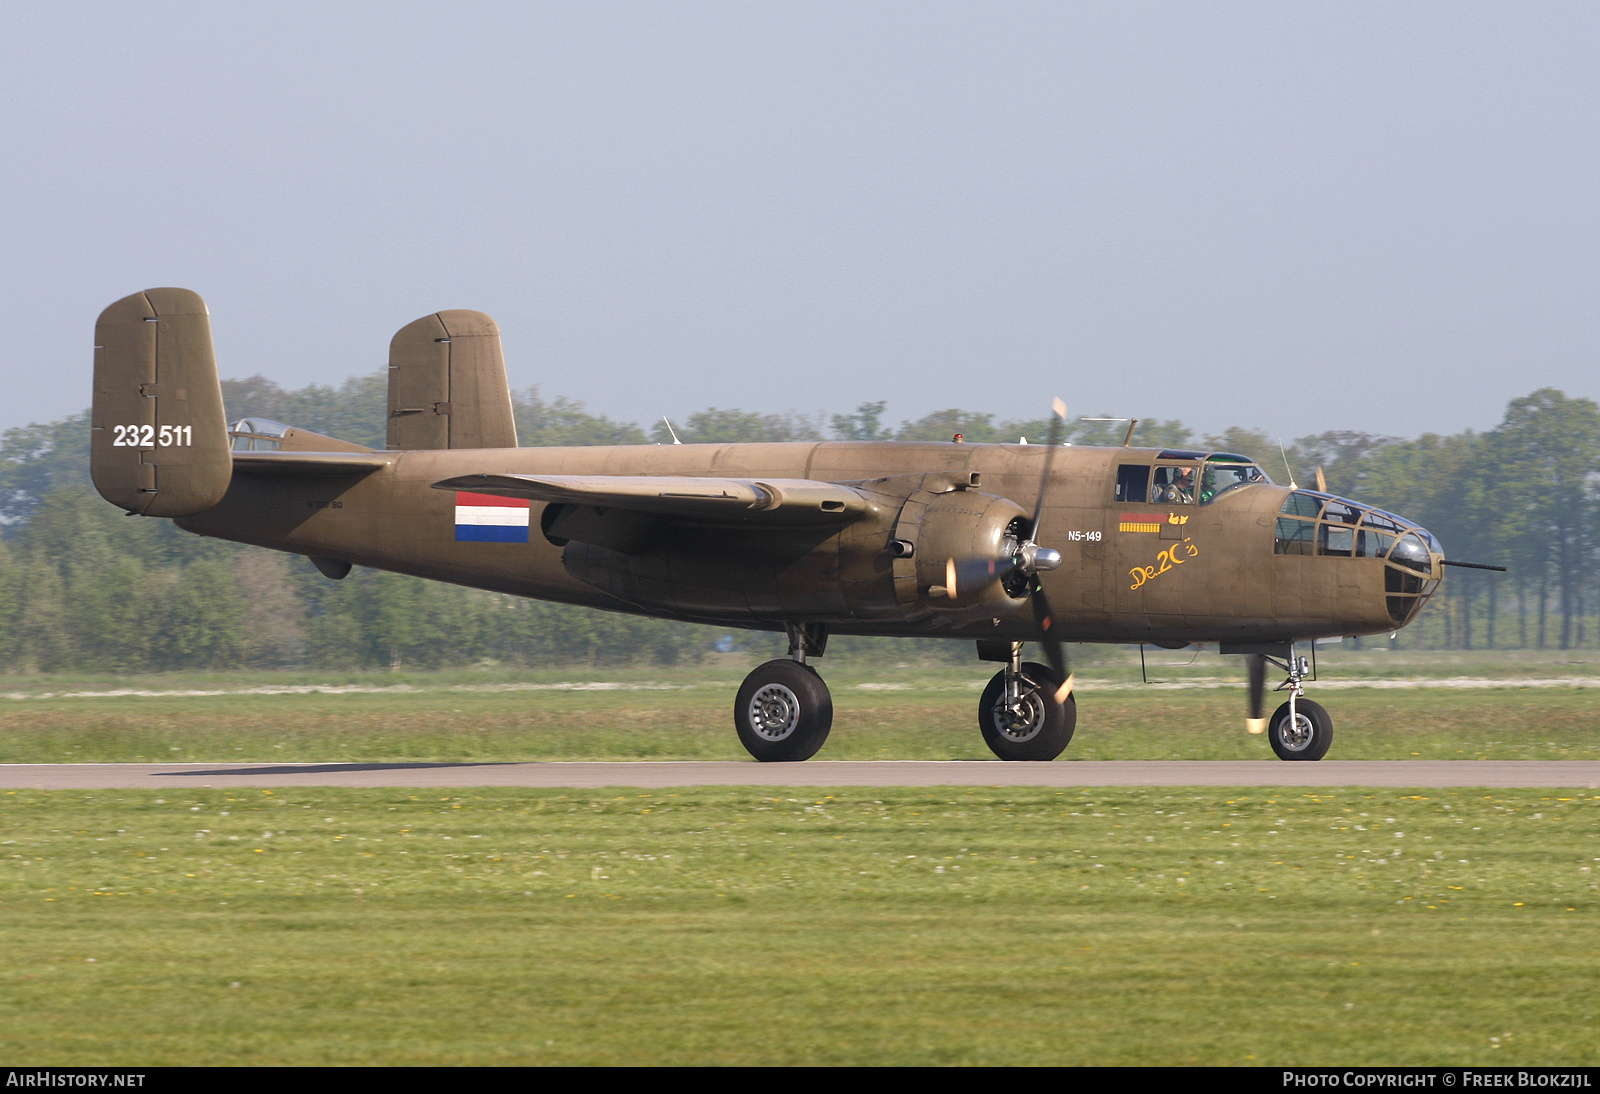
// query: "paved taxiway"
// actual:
[[647, 775]]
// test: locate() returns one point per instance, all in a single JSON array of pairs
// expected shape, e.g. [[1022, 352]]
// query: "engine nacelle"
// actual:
[[957, 525]]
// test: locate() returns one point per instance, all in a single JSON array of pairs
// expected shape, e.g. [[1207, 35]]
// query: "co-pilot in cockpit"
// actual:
[[1173, 485]]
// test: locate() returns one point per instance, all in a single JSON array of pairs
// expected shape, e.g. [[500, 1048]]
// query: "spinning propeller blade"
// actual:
[[1054, 651], [1056, 426], [1256, 722], [968, 575]]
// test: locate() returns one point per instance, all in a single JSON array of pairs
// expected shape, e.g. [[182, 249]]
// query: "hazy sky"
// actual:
[[1295, 217]]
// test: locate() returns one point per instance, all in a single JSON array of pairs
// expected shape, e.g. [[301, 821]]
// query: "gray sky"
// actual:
[[1295, 217]]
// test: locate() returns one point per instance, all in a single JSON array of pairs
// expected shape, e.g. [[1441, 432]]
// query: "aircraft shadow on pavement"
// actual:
[[307, 769]]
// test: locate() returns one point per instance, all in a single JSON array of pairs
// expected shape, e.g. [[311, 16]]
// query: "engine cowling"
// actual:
[[961, 524]]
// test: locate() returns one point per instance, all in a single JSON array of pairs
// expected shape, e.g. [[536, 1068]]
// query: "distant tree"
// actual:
[[78, 578], [44, 640], [565, 422], [1549, 447], [942, 425], [12, 592], [275, 626], [1247, 442], [255, 397], [866, 424], [200, 619], [1155, 433], [715, 425], [1343, 455], [36, 459], [357, 410], [1437, 481], [1107, 431]]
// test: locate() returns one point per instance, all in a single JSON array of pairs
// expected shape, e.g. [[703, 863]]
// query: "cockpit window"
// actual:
[[1173, 485], [257, 435], [1370, 544], [1226, 472], [1384, 521], [1301, 505], [1133, 481], [1338, 540], [1343, 512], [1412, 553]]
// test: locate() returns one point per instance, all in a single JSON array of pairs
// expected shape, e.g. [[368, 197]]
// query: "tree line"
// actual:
[[84, 589]]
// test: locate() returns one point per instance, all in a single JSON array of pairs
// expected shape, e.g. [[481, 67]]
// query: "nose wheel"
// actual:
[[1297, 730], [1300, 731]]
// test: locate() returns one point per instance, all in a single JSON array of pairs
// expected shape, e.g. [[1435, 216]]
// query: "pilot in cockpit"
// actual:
[[1173, 486]]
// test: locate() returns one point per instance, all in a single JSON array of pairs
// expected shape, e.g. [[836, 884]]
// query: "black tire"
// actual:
[[1046, 728], [783, 712], [1309, 737]]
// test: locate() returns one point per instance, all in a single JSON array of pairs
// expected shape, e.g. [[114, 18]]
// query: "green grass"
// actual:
[[729, 926], [690, 717]]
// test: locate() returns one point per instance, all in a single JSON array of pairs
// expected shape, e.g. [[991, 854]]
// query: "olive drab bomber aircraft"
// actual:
[[998, 544]]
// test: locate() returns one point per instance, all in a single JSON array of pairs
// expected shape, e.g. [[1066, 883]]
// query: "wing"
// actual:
[[760, 502]]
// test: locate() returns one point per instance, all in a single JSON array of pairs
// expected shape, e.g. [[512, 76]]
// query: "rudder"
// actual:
[[159, 439]]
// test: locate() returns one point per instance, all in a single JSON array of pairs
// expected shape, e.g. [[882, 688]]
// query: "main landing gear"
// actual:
[[1027, 712], [784, 712], [1297, 730]]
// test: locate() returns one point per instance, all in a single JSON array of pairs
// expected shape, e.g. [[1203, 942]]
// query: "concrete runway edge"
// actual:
[[1573, 774]]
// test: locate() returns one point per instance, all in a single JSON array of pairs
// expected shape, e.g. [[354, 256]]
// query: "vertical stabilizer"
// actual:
[[447, 384], [159, 441]]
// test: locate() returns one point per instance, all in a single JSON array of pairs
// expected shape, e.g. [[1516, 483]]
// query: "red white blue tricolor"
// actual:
[[484, 518]]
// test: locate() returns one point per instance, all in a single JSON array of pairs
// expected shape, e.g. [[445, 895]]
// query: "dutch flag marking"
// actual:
[[485, 518]]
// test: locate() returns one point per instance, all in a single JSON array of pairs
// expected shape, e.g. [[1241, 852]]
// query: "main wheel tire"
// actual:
[[783, 712], [1044, 726], [1307, 738]]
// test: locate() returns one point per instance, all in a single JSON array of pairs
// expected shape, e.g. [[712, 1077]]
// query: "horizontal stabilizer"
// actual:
[[789, 502], [321, 465]]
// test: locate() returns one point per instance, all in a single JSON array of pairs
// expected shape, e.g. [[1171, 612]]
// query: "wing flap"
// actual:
[[790, 502]]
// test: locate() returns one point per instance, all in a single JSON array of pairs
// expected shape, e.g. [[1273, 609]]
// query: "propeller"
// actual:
[[1027, 559], [1256, 722]]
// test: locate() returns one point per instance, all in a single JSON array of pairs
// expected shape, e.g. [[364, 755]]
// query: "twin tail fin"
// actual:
[[159, 440]]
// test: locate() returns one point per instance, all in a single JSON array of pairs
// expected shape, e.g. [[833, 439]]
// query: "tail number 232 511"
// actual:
[[148, 436]]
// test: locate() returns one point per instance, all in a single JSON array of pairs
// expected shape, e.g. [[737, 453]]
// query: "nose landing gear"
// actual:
[[1299, 729]]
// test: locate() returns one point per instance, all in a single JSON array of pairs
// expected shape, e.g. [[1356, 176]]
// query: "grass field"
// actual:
[[945, 926], [1138, 926], [893, 714]]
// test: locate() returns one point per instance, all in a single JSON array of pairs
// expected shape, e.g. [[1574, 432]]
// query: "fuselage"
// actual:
[[1147, 555]]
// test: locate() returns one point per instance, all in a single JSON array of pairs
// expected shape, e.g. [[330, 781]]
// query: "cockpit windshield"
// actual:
[[1225, 472], [257, 435]]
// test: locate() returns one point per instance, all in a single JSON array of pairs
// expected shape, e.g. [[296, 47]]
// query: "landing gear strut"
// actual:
[[783, 712], [1025, 712], [1299, 729]]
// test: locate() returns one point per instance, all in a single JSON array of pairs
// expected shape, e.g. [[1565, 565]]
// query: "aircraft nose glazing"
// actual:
[[1412, 574], [1313, 523]]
